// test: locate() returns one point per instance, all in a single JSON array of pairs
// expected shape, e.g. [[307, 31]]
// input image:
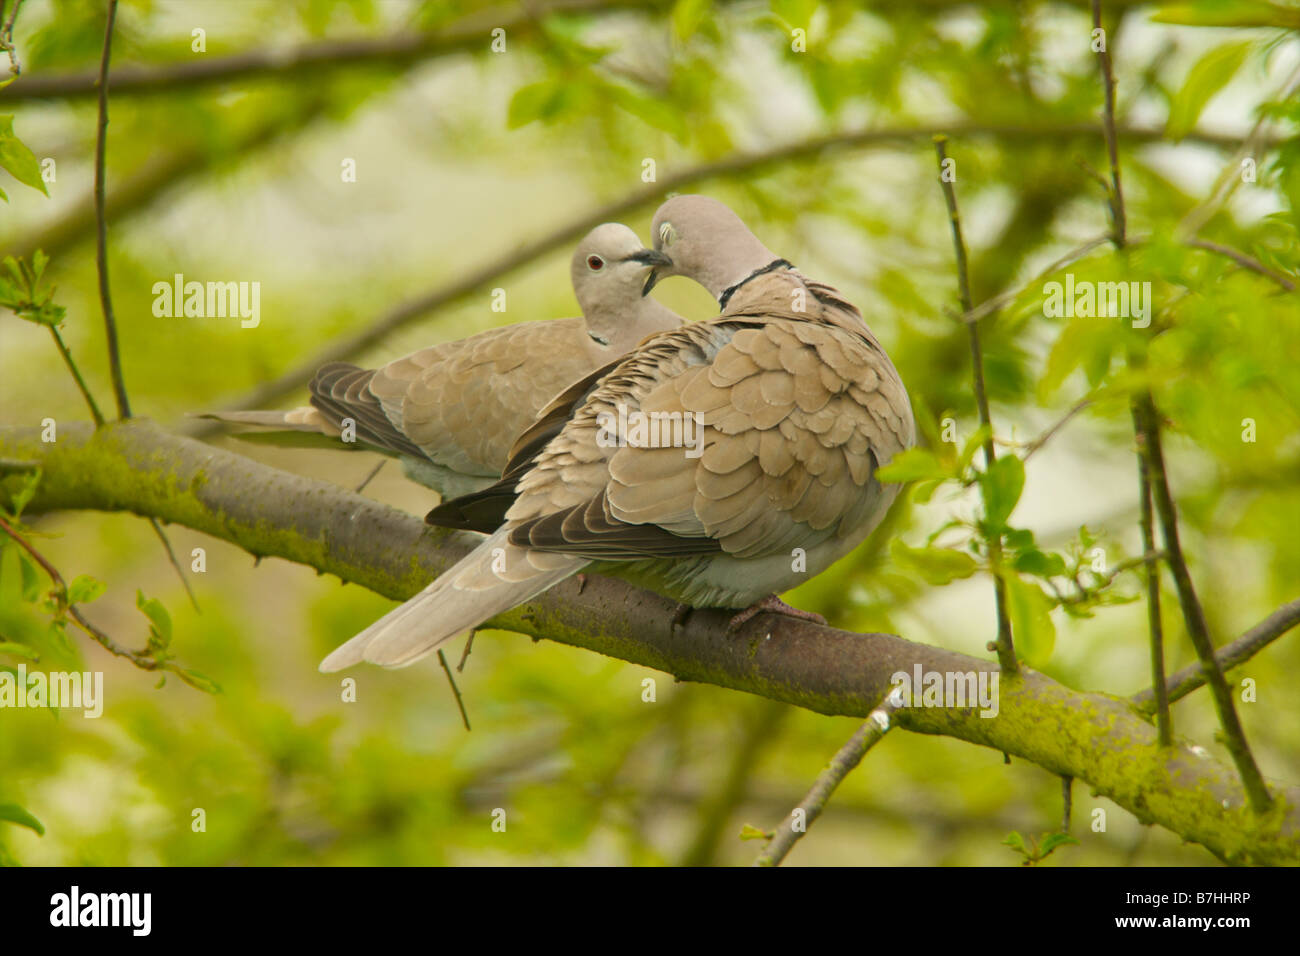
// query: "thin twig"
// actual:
[[998, 302], [1230, 177], [101, 251], [877, 724], [142, 659], [1003, 299], [1245, 261], [464, 655], [1005, 648], [7, 36], [1067, 802], [171, 556], [1194, 615], [1146, 431], [1155, 482], [1231, 655], [370, 477], [1115, 198], [442, 659], [1106, 577], [101, 264], [76, 374], [1151, 580], [1046, 436]]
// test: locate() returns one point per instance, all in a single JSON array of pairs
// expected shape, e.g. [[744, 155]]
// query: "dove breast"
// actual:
[[797, 412]]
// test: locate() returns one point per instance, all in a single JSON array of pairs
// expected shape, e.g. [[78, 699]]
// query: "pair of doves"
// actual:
[[798, 402]]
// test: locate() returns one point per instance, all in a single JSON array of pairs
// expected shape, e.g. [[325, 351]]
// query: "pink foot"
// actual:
[[773, 605]]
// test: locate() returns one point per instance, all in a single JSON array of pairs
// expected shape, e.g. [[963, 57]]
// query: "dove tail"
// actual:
[[492, 578]]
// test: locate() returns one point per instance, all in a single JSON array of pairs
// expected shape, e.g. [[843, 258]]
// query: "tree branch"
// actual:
[[1245, 261], [1098, 738], [66, 355], [101, 223], [396, 49], [1146, 430], [137, 190], [1194, 615], [1005, 647], [1229, 656], [872, 731]]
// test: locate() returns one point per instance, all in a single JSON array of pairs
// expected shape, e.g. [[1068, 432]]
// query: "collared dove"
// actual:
[[799, 405], [450, 412]]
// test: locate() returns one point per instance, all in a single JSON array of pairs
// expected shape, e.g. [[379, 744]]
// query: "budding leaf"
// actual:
[[16, 814], [16, 159]]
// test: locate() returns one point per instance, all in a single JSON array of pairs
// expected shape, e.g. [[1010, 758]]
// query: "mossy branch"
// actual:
[[1098, 738]]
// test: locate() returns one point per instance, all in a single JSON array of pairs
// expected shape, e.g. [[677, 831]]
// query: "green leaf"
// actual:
[[1016, 842], [653, 111], [1052, 841], [1002, 486], [533, 102], [972, 445], [913, 465], [160, 622], [936, 566], [1043, 564], [31, 580], [1032, 628], [85, 589], [16, 814], [1210, 74], [57, 633], [199, 681], [750, 832], [17, 159], [18, 650]]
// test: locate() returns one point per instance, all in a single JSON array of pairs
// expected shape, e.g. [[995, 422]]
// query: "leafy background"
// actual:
[[463, 157]]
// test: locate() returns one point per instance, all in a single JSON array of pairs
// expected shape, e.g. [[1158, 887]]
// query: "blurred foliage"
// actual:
[[464, 156]]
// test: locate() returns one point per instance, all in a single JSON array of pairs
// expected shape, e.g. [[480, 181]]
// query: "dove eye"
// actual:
[[595, 263]]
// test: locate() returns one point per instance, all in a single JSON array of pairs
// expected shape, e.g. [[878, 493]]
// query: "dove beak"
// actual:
[[656, 260]]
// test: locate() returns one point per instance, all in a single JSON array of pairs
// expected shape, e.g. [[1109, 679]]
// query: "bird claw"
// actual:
[[772, 605], [582, 582]]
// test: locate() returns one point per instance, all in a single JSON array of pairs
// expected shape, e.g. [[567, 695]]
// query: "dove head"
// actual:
[[608, 270], [706, 242]]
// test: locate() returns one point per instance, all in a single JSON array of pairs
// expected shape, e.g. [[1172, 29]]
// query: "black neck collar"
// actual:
[[728, 292]]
